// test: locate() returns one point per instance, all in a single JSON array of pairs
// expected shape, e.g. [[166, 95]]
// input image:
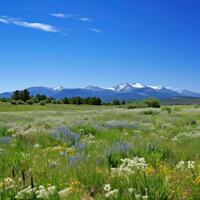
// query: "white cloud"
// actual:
[[61, 15], [4, 21], [32, 25], [39, 26], [85, 19], [96, 30]]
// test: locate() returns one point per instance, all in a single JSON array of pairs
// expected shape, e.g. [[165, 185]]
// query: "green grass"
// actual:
[[75, 148]]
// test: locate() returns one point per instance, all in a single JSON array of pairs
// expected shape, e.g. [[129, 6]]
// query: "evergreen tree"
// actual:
[[116, 102], [16, 95]]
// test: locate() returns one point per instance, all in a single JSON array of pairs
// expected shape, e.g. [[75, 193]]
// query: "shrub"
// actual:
[[43, 103], [150, 112], [3, 131], [30, 102], [3, 100], [191, 122], [58, 102], [65, 101], [20, 102], [153, 103], [53, 101], [13, 102], [137, 104], [167, 108], [116, 102]]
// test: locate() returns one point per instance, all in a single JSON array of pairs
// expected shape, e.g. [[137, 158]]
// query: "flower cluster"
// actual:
[[26, 193], [110, 193], [63, 194], [128, 166], [66, 135], [7, 183], [143, 197], [182, 164], [41, 193]]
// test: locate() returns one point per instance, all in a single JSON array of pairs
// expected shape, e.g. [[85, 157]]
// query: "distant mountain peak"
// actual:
[[97, 88], [137, 85], [126, 91], [155, 87], [127, 87], [58, 88]]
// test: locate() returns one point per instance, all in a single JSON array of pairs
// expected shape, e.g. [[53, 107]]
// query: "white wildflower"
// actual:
[[107, 187], [131, 190], [9, 183], [190, 164], [129, 166], [145, 197], [42, 194], [138, 196], [112, 194], [63, 194], [26, 193], [180, 165], [51, 190], [37, 146]]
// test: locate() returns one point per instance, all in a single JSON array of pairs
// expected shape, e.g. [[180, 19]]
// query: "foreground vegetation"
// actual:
[[99, 152]]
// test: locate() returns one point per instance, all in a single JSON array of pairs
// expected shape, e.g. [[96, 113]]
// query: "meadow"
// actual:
[[87, 152]]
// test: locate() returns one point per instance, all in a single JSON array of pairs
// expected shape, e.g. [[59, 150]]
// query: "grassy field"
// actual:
[[95, 152]]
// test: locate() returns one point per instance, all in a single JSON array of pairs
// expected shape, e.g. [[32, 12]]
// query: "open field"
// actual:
[[99, 152]]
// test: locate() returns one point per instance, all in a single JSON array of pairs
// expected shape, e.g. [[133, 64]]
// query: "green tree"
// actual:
[[25, 95], [16, 95], [116, 102], [65, 100], [152, 102]]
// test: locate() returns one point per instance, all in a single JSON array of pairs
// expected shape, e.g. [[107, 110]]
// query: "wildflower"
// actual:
[[131, 190], [37, 146], [129, 165], [112, 193], [145, 197], [197, 181], [107, 187], [190, 164], [63, 194], [51, 190], [138, 196], [180, 165], [5, 140], [52, 164], [150, 171], [26, 193], [42, 194], [8, 183]]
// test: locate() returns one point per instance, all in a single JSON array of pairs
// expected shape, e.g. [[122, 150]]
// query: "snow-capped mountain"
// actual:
[[58, 88], [126, 91], [127, 87]]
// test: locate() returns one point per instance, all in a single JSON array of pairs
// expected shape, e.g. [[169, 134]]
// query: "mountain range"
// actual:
[[126, 91]]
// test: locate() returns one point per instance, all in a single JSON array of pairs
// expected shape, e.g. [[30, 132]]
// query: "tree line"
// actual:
[[24, 97]]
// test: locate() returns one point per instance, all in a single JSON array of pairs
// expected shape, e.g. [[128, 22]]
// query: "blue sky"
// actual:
[[75, 43]]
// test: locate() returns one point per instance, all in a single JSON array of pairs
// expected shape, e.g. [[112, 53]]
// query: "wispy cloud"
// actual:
[[62, 15], [25, 24], [4, 21], [96, 30], [85, 19]]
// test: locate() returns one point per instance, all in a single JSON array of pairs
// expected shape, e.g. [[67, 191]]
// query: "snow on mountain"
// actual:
[[58, 88], [137, 85], [95, 88], [127, 87], [155, 87], [126, 91]]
